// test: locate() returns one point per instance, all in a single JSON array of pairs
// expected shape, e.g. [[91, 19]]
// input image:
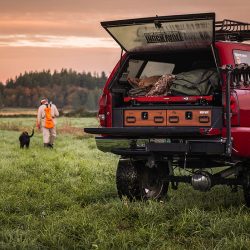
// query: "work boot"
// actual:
[[46, 145], [50, 145]]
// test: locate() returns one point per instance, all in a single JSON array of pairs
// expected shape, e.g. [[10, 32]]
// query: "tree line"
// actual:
[[66, 88]]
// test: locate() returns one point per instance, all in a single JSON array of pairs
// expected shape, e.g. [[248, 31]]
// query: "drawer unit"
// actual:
[[188, 117], [145, 118], [169, 117]]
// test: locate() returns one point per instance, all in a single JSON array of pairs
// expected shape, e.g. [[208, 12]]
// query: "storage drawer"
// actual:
[[145, 118], [189, 117]]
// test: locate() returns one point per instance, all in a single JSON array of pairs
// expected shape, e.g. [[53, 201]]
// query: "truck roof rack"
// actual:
[[230, 30]]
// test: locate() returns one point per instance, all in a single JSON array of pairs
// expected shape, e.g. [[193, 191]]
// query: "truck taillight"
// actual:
[[235, 112], [102, 110], [234, 109], [102, 117], [104, 113]]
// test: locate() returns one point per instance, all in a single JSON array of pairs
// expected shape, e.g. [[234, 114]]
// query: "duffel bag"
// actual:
[[195, 82]]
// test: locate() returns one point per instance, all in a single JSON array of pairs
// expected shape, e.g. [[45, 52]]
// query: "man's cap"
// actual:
[[44, 101]]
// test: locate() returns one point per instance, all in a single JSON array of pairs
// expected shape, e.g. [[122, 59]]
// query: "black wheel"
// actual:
[[153, 183], [127, 179], [137, 181]]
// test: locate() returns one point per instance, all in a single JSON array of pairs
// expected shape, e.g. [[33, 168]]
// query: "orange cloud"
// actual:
[[48, 41]]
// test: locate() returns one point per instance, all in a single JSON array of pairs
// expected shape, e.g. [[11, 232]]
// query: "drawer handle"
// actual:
[[158, 119], [130, 119], [204, 119], [173, 119]]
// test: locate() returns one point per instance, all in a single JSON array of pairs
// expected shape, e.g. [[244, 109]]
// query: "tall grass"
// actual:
[[66, 198], [65, 125]]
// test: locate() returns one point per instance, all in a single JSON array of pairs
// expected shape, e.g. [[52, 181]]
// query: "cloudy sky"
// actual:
[[55, 34]]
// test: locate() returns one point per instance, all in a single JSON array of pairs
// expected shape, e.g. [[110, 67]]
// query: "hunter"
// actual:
[[46, 121]]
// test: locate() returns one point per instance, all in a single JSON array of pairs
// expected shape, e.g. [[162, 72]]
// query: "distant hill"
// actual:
[[67, 89]]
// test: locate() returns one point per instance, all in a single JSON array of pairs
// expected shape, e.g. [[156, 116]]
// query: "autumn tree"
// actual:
[[66, 88]]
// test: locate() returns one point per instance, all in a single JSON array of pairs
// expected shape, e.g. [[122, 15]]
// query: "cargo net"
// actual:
[[201, 82]]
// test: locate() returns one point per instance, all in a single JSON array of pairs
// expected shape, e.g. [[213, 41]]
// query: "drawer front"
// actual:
[[145, 118], [189, 118]]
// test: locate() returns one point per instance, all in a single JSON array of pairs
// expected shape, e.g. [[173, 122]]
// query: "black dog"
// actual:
[[24, 139]]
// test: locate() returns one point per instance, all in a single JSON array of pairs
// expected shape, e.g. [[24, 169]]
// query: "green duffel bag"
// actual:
[[196, 82]]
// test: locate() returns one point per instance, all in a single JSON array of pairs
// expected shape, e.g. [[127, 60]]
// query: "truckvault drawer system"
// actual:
[[186, 117]]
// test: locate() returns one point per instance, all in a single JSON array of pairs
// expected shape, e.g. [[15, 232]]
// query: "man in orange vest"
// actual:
[[46, 121]]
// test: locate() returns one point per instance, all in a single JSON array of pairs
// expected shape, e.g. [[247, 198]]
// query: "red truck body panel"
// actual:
[[241, 133]]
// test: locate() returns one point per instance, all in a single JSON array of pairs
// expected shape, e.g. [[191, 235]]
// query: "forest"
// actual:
[[67, 88]]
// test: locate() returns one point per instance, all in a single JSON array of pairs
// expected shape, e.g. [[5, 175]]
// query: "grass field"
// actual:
[[66, 199]]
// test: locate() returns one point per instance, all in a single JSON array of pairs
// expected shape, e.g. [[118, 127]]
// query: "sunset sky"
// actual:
[[55, 34]]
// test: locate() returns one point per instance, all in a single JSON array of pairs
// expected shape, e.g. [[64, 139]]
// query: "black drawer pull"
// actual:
[[173, 119], [130, 119]]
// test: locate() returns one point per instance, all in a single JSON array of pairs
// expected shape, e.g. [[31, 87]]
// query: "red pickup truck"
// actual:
[[205, 134]]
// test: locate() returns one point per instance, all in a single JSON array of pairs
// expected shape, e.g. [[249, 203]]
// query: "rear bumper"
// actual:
[[122, 146], [147, 132]]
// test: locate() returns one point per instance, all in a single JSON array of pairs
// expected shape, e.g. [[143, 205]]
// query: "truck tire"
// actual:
[[127, 179], [137, 181]]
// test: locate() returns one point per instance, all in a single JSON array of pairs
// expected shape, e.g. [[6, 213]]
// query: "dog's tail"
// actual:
[[32, 133]]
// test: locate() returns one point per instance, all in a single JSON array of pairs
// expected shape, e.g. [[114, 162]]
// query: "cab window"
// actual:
[[241, 56]]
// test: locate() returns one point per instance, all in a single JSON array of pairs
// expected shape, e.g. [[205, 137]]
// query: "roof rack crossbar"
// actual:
[[230, 30], [227, 24]]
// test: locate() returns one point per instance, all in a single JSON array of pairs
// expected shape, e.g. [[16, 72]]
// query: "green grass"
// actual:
[[66, 198]]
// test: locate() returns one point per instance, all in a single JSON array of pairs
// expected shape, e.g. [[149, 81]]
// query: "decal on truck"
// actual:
[[163, 37]]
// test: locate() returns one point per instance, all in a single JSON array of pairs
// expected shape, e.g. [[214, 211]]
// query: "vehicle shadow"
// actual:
[[218, 197]]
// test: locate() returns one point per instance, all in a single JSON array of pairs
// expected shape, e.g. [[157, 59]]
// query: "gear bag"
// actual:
[[195, 82], [49, 123]]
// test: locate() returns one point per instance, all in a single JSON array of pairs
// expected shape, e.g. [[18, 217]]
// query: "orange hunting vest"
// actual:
[[49, 123]]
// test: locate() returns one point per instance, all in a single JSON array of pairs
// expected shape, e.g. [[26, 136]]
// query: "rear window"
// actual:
[[157, 68], [141, 68], [241, 56]]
